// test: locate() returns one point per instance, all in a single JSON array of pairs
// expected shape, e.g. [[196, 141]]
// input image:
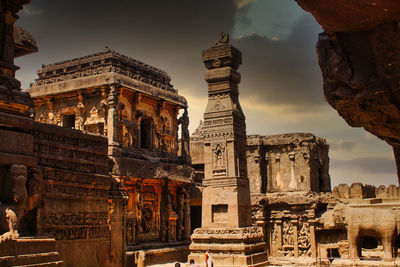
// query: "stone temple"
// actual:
[[97, 168]]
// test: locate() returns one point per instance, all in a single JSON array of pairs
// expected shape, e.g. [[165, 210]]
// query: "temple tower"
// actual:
[[226, 208]]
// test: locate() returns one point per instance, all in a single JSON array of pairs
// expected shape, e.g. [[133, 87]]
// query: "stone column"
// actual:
[[312, 237], [295, 237], [268, 174], [113, 131], [186, 221], [279, 229], [293, 181], [12, 100], [164, 212], [104, 107]]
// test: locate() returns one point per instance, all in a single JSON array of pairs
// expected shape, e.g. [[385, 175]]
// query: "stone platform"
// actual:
[[156, 253], [29, 251], [229, 246]]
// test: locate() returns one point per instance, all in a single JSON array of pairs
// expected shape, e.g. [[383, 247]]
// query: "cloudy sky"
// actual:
[[281, 89]]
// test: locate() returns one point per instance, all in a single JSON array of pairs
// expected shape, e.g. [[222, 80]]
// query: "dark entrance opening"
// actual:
[[195, 217], [68, 121], [333, 253], [368, 248], [146, 136], [396, 246]]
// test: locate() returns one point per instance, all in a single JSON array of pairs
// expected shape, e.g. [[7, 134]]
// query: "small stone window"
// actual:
[[68, 120]]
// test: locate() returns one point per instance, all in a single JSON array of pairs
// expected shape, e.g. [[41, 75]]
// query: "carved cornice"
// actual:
[[104, 62]]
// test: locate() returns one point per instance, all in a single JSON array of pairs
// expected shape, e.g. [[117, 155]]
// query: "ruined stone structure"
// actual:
[[287, 162], [226, 219], [136, 108]]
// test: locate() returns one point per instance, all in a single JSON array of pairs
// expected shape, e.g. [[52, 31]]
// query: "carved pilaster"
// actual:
[[295, 237], [187, 228], [113, 129]]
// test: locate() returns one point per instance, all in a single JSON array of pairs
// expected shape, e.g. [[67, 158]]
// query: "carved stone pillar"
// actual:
[[12, 100], [104, 108], [180, 211], [313, 240], [186, 222], [113, 131], [267, 173], [295, 237], [164, 212], [279, 241], [293, 182]]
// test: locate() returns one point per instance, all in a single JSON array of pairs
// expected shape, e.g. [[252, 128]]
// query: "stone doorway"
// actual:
[[195, 217]]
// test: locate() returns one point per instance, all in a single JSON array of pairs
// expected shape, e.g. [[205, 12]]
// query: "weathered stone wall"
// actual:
[[78, 210]]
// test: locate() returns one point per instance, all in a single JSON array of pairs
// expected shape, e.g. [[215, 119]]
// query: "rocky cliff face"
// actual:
[[359, 56]]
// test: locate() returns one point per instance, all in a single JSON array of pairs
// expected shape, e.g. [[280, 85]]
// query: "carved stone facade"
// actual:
[[279, 163], [135, 108]]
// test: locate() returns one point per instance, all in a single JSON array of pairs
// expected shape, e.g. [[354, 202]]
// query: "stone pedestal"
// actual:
[[234, 246]]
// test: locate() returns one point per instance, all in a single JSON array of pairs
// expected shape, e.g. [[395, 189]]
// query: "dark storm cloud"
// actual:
[[167, 34], [170, 35], [374, 165], [283, 71]]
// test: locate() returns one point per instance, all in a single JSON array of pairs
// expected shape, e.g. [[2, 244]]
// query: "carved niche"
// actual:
[[219, 160], [148, 229]]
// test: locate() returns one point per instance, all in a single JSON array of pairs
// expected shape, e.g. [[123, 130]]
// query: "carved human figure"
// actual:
[[80, 115], [275, 234], [185, 138], [287, 232], [220, 158]]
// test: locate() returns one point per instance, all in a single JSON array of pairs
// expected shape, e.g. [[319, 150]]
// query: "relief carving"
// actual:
[[288, 233], [275, 233], [219, 165], [304, 239], [70, 226]]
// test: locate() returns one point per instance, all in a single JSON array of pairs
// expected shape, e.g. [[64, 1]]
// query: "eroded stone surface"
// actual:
[[359, 60]]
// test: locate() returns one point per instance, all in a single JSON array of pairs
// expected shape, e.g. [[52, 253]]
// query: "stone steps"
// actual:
[[29, 252], [45, 264]]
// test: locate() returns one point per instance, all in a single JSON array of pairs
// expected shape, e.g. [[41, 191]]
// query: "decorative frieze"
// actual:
[[71, 226]]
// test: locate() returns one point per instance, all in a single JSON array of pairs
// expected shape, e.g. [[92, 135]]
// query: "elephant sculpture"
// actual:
[[18, 195], [381, 224]]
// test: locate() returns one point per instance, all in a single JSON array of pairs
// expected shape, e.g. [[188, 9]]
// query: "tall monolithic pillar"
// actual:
[[226, 208]]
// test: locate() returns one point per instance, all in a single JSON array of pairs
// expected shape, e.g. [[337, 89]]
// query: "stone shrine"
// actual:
[[134, 106], [226, 219]]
